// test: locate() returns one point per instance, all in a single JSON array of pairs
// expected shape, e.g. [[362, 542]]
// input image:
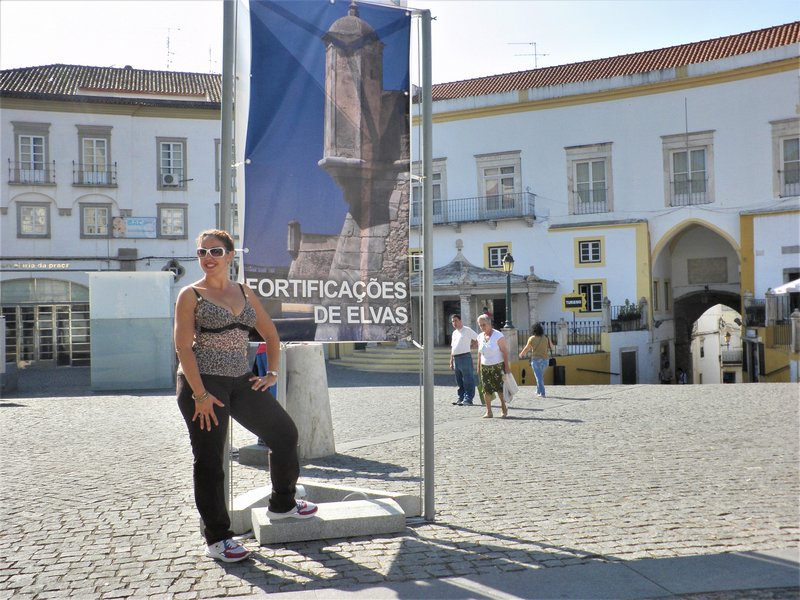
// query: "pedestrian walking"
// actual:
[[540, 347], [462, 341], [213, 319], [492, 364]]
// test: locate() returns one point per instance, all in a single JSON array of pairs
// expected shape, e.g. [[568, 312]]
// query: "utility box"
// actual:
[[131, 321]]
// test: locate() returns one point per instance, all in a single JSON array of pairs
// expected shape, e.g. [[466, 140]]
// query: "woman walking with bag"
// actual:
[[540, 348], [492, 364]]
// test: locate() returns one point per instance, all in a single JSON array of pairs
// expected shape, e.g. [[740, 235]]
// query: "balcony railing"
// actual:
[[626, 317], [480, 208], [591, 201], [731, 357], [31, 174], [92, 175], [583, 337], [790, 180], [689, 192], [791, 189]]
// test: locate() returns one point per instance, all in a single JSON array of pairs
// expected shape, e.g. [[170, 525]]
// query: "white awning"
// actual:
[[786, 288]]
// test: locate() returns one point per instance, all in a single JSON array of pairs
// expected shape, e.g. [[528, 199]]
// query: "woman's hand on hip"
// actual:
[[263, 383], [204, 411]]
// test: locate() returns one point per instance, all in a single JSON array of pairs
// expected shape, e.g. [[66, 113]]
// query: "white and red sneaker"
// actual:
[[302, 510], [227, 551]]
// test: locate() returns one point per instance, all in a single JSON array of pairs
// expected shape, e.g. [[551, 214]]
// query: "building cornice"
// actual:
[[209, 111], [677, 83]]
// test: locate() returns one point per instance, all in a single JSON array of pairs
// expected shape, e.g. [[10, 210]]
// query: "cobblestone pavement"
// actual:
[[96, 495]]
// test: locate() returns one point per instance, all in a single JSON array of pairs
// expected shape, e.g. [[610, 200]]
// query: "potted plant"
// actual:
[[629, 312]]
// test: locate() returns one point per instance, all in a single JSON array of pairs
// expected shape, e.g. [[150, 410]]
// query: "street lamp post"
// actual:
[[508, 266]]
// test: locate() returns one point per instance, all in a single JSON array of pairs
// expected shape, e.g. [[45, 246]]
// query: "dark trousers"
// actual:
[[259, 413]]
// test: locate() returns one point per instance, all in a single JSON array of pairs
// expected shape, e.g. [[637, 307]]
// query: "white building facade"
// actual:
[[107, 170], [668, 180]]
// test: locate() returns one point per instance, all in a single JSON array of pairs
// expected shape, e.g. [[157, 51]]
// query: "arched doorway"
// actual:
[[695, 267], [688, 310]]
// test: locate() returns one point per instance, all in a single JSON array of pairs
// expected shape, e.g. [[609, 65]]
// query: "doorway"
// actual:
[[48, 335], [449, 307], [628, 367]]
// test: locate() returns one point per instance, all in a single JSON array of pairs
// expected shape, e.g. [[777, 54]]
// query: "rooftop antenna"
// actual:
[[534, 54], [169, 52]]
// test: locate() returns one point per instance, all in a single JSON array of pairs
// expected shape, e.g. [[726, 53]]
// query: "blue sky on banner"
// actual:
[[286, 121]]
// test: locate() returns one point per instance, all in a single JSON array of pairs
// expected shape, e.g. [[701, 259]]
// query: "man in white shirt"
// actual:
[[462, 342]]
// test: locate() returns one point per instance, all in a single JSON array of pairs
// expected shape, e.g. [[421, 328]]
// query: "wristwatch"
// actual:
[[272, 373]]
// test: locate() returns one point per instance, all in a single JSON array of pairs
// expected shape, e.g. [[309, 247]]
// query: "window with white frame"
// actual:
[[656, 284], [172, 220], [95, 220], [791, 167], [438, 185], [499, 180], [590, 252], [171, 164], [589, 178], [95, 148], [495, 254], [688, 168], [593, 292], [786, 157], [33, 219], [31, 149], [590, 181], [666, 294], [415, 261]]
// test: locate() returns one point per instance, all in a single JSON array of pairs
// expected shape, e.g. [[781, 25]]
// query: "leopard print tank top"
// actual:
[[221, 338]]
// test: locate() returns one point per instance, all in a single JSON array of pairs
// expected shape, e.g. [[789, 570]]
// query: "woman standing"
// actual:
[[492, 364], [540, 347], [213, 319]]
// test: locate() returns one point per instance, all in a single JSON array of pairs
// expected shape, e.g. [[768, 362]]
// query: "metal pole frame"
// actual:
[[226, 133], [226, 170], [427, 264]]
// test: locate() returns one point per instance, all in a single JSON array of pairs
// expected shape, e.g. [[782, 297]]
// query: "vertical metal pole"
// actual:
[[509, 324], [226, 134], [225, 169], [427, 263]]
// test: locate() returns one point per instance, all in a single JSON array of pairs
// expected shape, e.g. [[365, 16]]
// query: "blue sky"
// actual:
[[471, 38]]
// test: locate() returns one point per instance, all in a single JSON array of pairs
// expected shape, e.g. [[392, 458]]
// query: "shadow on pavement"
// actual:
[[536, 571]]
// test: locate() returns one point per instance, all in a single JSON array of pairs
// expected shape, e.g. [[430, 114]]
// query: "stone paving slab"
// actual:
[[96, 496]]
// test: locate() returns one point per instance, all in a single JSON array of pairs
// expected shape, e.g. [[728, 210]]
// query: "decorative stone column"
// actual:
[[512, 343], [770, 308], [605, 324], [562, 337], [533, 298], [466, 313]]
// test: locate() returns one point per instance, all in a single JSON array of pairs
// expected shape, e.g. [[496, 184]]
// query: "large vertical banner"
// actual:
[[326, 173]]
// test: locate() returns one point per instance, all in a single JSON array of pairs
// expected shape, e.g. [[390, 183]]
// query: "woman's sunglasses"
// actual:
[[216, 252]]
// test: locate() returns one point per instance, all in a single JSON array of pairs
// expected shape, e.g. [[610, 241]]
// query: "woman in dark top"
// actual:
[[213, 319]]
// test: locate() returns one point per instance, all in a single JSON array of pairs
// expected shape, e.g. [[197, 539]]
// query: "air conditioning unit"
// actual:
[[169, 180]]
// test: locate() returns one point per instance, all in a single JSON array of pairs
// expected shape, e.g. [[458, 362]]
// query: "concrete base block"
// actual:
[[243, 504], [319, 493], [254, 455], [333, 520]]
